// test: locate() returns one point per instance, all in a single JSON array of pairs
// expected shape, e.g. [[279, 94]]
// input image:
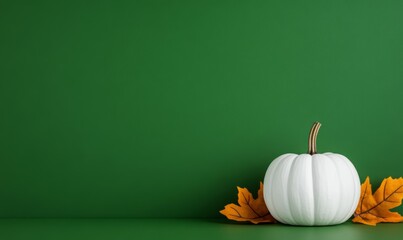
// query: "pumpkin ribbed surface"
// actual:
[[318, 189]]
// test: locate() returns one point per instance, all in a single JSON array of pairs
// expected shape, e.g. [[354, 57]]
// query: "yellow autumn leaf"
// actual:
[[375, 208], [249, 209]]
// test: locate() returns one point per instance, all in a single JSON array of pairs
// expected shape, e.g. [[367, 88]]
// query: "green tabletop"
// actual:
[[99, 229]]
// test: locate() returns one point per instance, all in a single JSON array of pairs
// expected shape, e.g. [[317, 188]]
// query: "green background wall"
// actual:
[[161, 108]]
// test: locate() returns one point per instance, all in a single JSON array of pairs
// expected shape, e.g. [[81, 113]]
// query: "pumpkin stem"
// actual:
[[313, 134]]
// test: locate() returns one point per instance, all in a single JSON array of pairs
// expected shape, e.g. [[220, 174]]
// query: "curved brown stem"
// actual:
[[313, 134]]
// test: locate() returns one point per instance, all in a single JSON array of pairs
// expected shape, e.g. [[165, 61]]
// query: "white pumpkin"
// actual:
[[311, 189]]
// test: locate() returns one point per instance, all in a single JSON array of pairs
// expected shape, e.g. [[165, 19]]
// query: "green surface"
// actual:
[[161, 108], [77, 229]]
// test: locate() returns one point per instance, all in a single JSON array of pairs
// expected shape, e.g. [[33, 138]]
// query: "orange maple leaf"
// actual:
[[374, 208], [249, 209]]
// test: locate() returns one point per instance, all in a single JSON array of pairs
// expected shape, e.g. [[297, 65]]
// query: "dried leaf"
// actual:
[[249, 209], [375, 208]]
